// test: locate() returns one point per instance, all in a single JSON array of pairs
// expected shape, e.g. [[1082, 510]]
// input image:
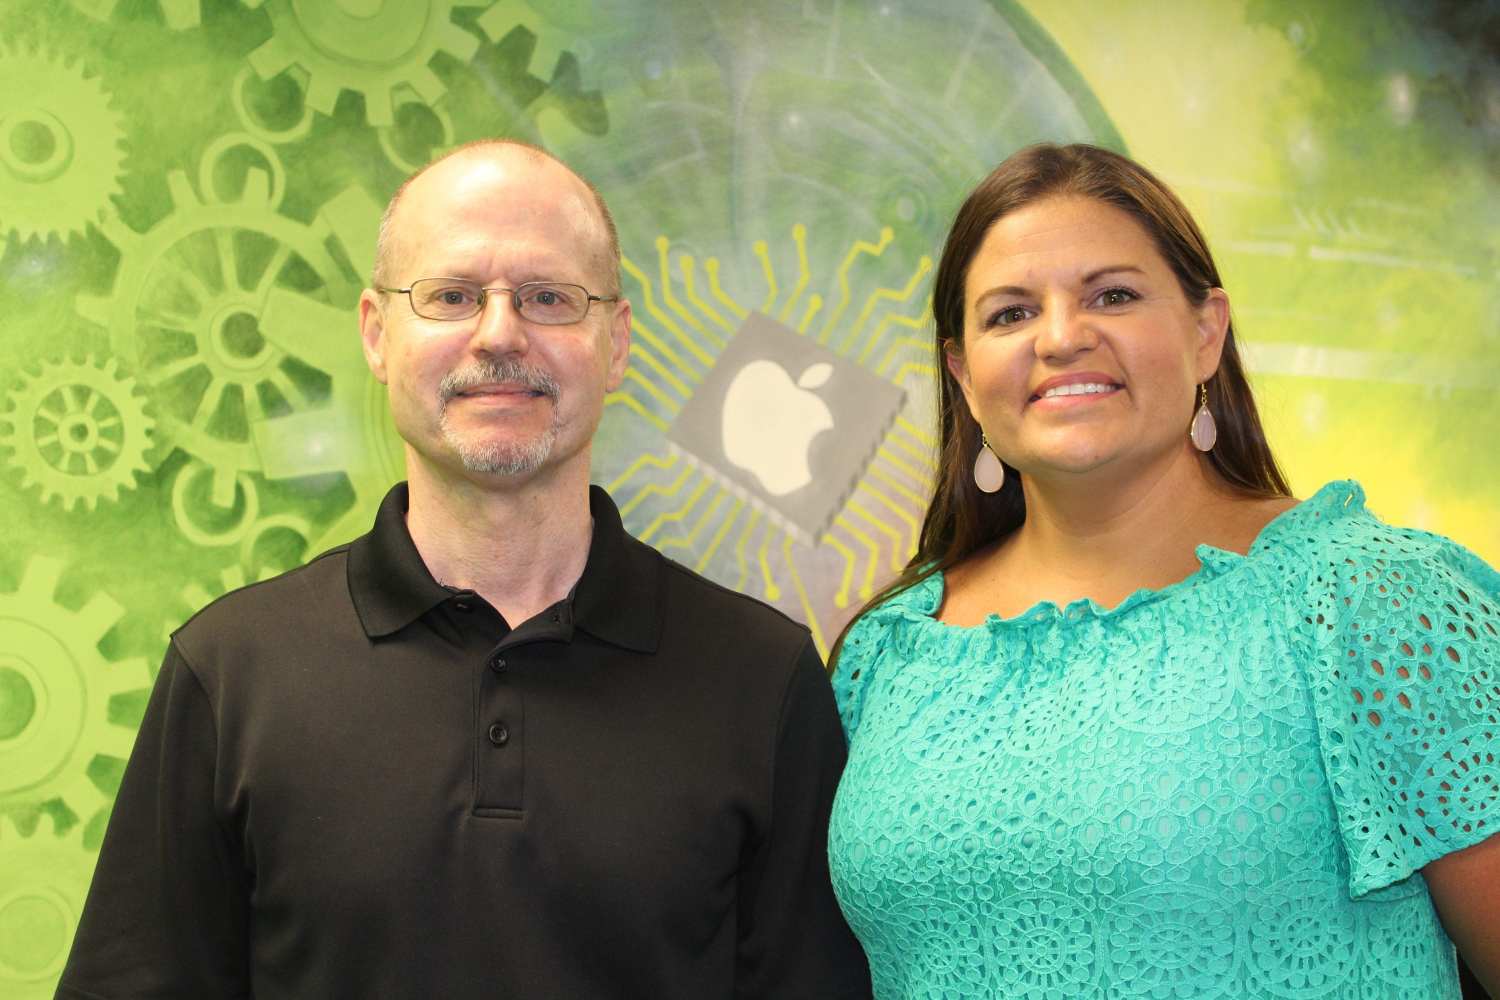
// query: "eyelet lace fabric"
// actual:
[[1224, 788]]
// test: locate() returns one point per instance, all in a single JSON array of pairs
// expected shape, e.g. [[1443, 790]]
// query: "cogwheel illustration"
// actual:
[[55, 691], [185, 312], [540, 21], [373, 49], [43, 882], [60, 146], [78, 431], [178, 14]]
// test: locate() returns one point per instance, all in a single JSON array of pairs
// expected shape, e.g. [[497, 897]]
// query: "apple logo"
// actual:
[[769, 423]]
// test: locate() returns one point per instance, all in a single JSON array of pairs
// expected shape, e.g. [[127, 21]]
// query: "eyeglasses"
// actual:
[[547, 302]]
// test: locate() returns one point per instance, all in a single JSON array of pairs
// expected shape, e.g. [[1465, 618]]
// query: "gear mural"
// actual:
[[61, 145], [78, 431], [189, 191]]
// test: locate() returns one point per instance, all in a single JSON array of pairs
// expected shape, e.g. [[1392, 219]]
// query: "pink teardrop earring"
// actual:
[[989, 473], [1204, 431]]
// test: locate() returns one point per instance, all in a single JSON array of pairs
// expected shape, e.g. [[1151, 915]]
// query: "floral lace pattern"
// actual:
[[1218, 789]]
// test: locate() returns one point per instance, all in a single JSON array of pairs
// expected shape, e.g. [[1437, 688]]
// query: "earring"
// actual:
[[1204, 431], [989, 474]]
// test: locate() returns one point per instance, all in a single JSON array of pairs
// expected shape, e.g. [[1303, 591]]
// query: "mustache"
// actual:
[[496, 370]]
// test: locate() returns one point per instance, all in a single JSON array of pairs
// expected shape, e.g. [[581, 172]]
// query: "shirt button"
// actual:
[[499, 735], [497, 664], [463, 604]]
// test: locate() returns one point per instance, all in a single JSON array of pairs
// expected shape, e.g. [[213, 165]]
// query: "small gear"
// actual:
[[373, 48], [60, 146], [43, 882], [81, 432], [55, 693], [186, 308]]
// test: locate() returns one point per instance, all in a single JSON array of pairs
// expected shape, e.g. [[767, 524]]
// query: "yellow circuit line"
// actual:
[[814, 303], [887, 295], [675, 516], [640, 332], [648, 460], [764, 253], [910, 322], [638, 352], [898, 486], [657, 488], [773, 592], [841, 596], [628, 401], [711, 268], [633, 374], [900, 555], [713, 546], [689, 268], [860, 247], [872, 547], [673, 303], [901, 512], [799, 237], [906, 425], [739, 549], [914, 473], [912, 366], [921, 454], [925, 346], [657, 313]]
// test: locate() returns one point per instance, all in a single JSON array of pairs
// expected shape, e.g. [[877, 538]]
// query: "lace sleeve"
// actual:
[[1406, 689], [858, 659]]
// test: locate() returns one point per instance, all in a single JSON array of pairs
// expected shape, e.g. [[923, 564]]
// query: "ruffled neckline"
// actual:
[[1336, 500]]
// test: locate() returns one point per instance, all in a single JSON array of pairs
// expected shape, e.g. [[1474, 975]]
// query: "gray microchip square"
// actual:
[[786, 423]]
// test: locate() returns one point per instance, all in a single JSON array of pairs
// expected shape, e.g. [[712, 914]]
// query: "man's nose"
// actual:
[[499, 327]]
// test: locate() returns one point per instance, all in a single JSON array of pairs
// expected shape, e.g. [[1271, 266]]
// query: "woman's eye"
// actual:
[[1116, 296], [1008, 316]]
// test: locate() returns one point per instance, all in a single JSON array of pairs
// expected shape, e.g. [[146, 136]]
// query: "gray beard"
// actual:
[[495, 459]]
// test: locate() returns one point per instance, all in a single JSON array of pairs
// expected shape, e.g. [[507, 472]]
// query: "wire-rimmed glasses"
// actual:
[[551, 303]]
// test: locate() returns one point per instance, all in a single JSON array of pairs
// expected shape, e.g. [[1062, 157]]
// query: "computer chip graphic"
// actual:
[[786, 423]]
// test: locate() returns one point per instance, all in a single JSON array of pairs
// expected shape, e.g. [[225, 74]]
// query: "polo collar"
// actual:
[[618, 598]]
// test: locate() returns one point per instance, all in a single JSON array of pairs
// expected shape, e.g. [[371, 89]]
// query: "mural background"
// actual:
[[188, 197]]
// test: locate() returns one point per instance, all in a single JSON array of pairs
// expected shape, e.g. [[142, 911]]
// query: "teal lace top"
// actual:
[[1225, 788]]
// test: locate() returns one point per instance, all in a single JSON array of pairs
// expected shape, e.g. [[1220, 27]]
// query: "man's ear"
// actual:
[[619, 345], [372, 332], [1213, 327]]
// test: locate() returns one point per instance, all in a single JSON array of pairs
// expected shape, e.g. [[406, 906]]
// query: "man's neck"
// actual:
[[519, 545]]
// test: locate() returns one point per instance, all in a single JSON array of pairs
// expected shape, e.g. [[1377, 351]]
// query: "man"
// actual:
[[496, 747]]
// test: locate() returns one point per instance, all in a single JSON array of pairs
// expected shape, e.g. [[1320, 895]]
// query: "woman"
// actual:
[[1134, 722]]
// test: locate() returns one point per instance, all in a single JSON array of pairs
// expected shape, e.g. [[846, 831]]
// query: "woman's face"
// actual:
[[1080, 350]]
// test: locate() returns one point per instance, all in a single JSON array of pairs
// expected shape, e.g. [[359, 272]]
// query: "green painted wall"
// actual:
[[188, 193]]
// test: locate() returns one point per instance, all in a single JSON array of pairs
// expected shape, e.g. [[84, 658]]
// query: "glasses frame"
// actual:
[[515, 299]]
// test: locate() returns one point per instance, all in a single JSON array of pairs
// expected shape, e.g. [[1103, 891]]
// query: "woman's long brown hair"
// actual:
[[960, 518]]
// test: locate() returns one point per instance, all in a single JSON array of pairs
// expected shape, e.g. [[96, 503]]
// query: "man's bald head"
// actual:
[[388, 242]]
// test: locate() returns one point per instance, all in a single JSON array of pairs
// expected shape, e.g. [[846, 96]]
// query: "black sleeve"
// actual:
[[168, 912], [793, 941]]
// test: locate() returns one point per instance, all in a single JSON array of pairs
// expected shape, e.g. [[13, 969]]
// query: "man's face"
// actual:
[[496, 396]]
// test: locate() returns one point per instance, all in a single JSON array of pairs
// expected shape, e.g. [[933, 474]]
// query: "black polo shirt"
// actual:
[[352, 781]]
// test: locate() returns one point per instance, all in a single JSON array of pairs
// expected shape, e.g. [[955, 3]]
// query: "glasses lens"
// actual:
[[445, 298], [545, 302]]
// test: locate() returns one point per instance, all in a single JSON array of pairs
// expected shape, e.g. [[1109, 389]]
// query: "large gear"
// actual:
[[186, 309], [60, 146], [353, 434], [43, 883], [80, 432], [55, 693], [178, 14], [373, 48]]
